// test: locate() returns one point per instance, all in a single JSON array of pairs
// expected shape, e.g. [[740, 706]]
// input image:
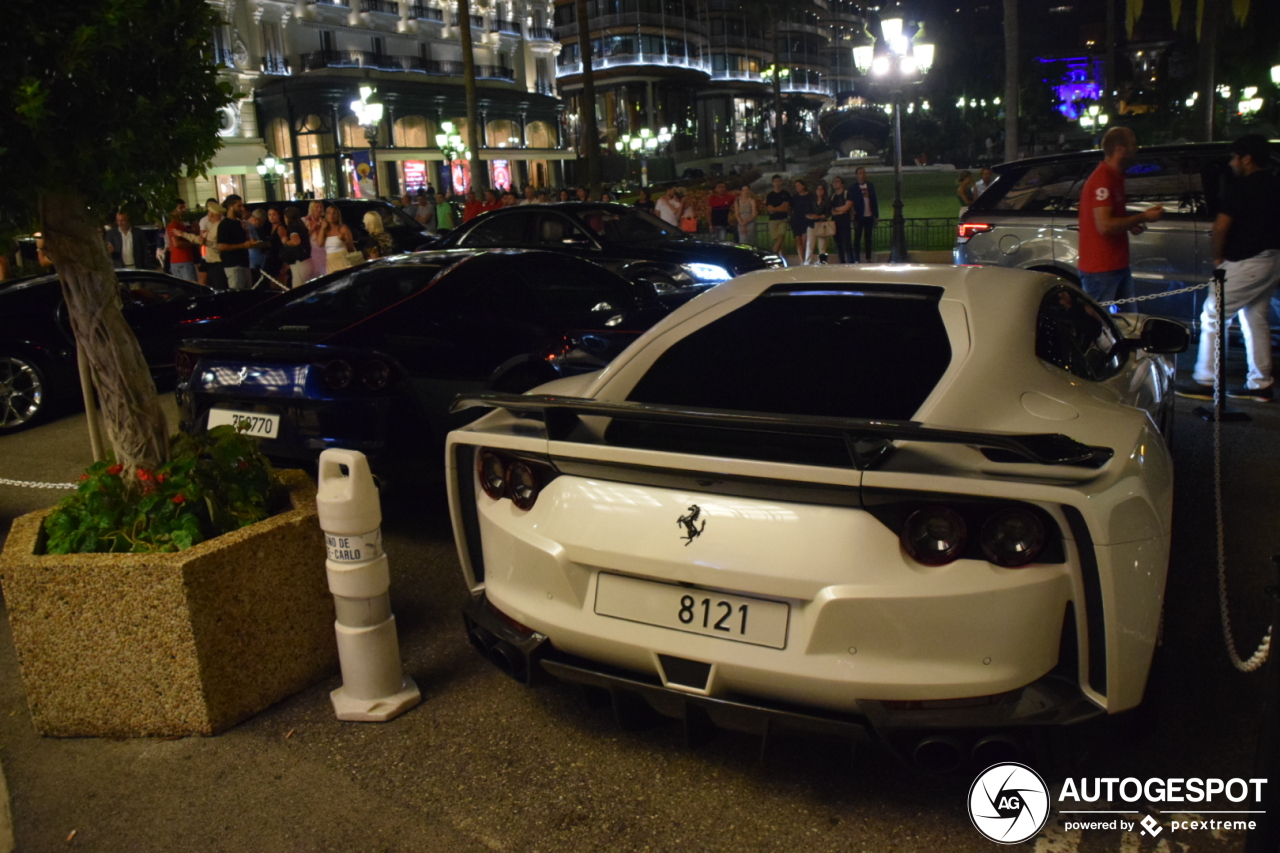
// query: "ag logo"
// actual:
[[1009, 803]]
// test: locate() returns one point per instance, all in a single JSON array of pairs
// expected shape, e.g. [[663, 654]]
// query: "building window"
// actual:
[[378, 46], [273, 49]]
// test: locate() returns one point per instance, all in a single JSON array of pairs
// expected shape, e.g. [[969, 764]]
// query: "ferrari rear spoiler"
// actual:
[[867, 440]]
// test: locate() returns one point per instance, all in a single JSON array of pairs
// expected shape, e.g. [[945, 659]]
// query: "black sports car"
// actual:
[[631, 242], [371, 357], [38, 352]]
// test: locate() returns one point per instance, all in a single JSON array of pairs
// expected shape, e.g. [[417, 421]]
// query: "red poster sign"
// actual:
[[501, 173], [415, 175]]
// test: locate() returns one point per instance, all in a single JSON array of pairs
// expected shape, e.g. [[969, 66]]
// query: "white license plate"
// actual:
[[698, 611], [253, 423]]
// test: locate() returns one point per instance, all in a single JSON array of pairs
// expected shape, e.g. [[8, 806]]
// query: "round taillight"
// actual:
[[375, 375], [522, 485], [1012, 537], [934, 535], [338, 375], [493, 474]]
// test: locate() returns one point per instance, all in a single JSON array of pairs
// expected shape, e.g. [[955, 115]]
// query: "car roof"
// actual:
[[1096, 154], [1011, 292], [572, 206]]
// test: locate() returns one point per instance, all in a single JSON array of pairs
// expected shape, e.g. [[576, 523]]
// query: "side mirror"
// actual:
[[1163, 336], [577, 241]]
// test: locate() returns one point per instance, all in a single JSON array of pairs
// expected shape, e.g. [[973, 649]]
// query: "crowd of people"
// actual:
[[280, 246]]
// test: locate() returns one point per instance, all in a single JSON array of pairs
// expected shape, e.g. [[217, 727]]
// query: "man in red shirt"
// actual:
[[719, 203], [1104, 225], [182, 254]]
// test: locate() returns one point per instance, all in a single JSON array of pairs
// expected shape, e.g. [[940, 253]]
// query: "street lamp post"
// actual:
[[368, 110], [271, 171], [642, 144], [450, 143], [894, 62]]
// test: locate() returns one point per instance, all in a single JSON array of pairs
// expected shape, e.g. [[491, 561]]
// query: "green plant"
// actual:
[[213, 483]]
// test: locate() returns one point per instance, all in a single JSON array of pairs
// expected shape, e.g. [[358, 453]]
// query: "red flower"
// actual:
[[144, 475], [84, 477], [115, 469], [160, 478], [179, 498], [242, 465]]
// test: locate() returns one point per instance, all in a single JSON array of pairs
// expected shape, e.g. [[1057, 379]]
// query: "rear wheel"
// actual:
[[24, 395]]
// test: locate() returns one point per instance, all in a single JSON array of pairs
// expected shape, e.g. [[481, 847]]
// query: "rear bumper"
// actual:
[[529, 656]]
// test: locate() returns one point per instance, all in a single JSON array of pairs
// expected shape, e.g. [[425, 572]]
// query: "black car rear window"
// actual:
[[797, 350], [334, 305]]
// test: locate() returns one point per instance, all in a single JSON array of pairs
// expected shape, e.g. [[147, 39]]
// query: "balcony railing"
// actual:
[[275, 65], [546, 88], [330, 3], [385, 7], [386, 62], [541, 34], [599, 63], [502, 25], [426, 13], [224, 56]]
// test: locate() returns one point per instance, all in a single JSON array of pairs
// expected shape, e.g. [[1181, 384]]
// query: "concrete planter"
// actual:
[[123, 645]]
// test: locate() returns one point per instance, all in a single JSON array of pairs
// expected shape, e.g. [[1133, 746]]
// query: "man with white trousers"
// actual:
[[1246, 245]]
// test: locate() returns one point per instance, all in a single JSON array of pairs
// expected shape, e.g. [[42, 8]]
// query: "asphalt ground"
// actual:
[[487, 764]]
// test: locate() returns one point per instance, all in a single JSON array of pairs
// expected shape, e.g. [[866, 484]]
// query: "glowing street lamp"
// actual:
[[368, 110], [895, 61]]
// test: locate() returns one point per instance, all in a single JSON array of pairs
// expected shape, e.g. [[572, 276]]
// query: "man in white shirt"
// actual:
[[127, 247], [988, 178]]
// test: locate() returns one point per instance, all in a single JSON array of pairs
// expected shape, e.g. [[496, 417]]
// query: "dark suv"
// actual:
[[1028, 218], [635, 244]]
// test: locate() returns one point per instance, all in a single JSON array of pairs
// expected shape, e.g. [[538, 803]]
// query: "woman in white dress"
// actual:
[[315, 220], [336, 239]]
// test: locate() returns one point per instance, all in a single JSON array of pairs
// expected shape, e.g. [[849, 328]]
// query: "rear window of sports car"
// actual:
[[810, 350]]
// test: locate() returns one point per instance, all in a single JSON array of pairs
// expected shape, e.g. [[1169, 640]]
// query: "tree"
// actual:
[[479, 176], [1012, 99], [110, 100], [587, 101], [773, 13]]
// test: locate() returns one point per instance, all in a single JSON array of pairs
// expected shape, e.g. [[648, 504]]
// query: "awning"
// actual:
[[237, 157]]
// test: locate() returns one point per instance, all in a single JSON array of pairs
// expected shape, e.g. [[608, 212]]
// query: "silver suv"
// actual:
[[1028, 218]]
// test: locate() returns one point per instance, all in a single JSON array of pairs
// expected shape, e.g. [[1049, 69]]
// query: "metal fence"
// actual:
[[923, 235]]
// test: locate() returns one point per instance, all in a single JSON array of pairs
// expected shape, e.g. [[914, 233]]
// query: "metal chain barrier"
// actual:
[[1180, 290], [1260, 654], [27, 484]]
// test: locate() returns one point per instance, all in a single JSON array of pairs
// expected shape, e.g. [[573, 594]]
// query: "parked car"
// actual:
[[1028, 218], [370, 358], [929, 503], [632, 243], [38, 351], [406, 232]]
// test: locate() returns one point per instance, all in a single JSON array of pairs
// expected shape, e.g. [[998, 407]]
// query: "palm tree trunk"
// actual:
[[779, 146], [131, 410], [1011, 86], [1208, 67], [590, 136], [479, 176]]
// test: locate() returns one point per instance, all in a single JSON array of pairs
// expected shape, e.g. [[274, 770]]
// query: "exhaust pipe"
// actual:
[[996, 749], [938, 755], [508, 658], [482, 639]]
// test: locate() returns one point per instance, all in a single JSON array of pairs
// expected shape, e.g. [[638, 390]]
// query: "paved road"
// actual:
[[486, 764]]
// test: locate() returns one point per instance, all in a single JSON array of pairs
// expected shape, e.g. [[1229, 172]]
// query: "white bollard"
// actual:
[[374, 689]]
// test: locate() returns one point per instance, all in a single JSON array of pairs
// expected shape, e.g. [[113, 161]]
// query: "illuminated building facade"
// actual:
[[702, 68]]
